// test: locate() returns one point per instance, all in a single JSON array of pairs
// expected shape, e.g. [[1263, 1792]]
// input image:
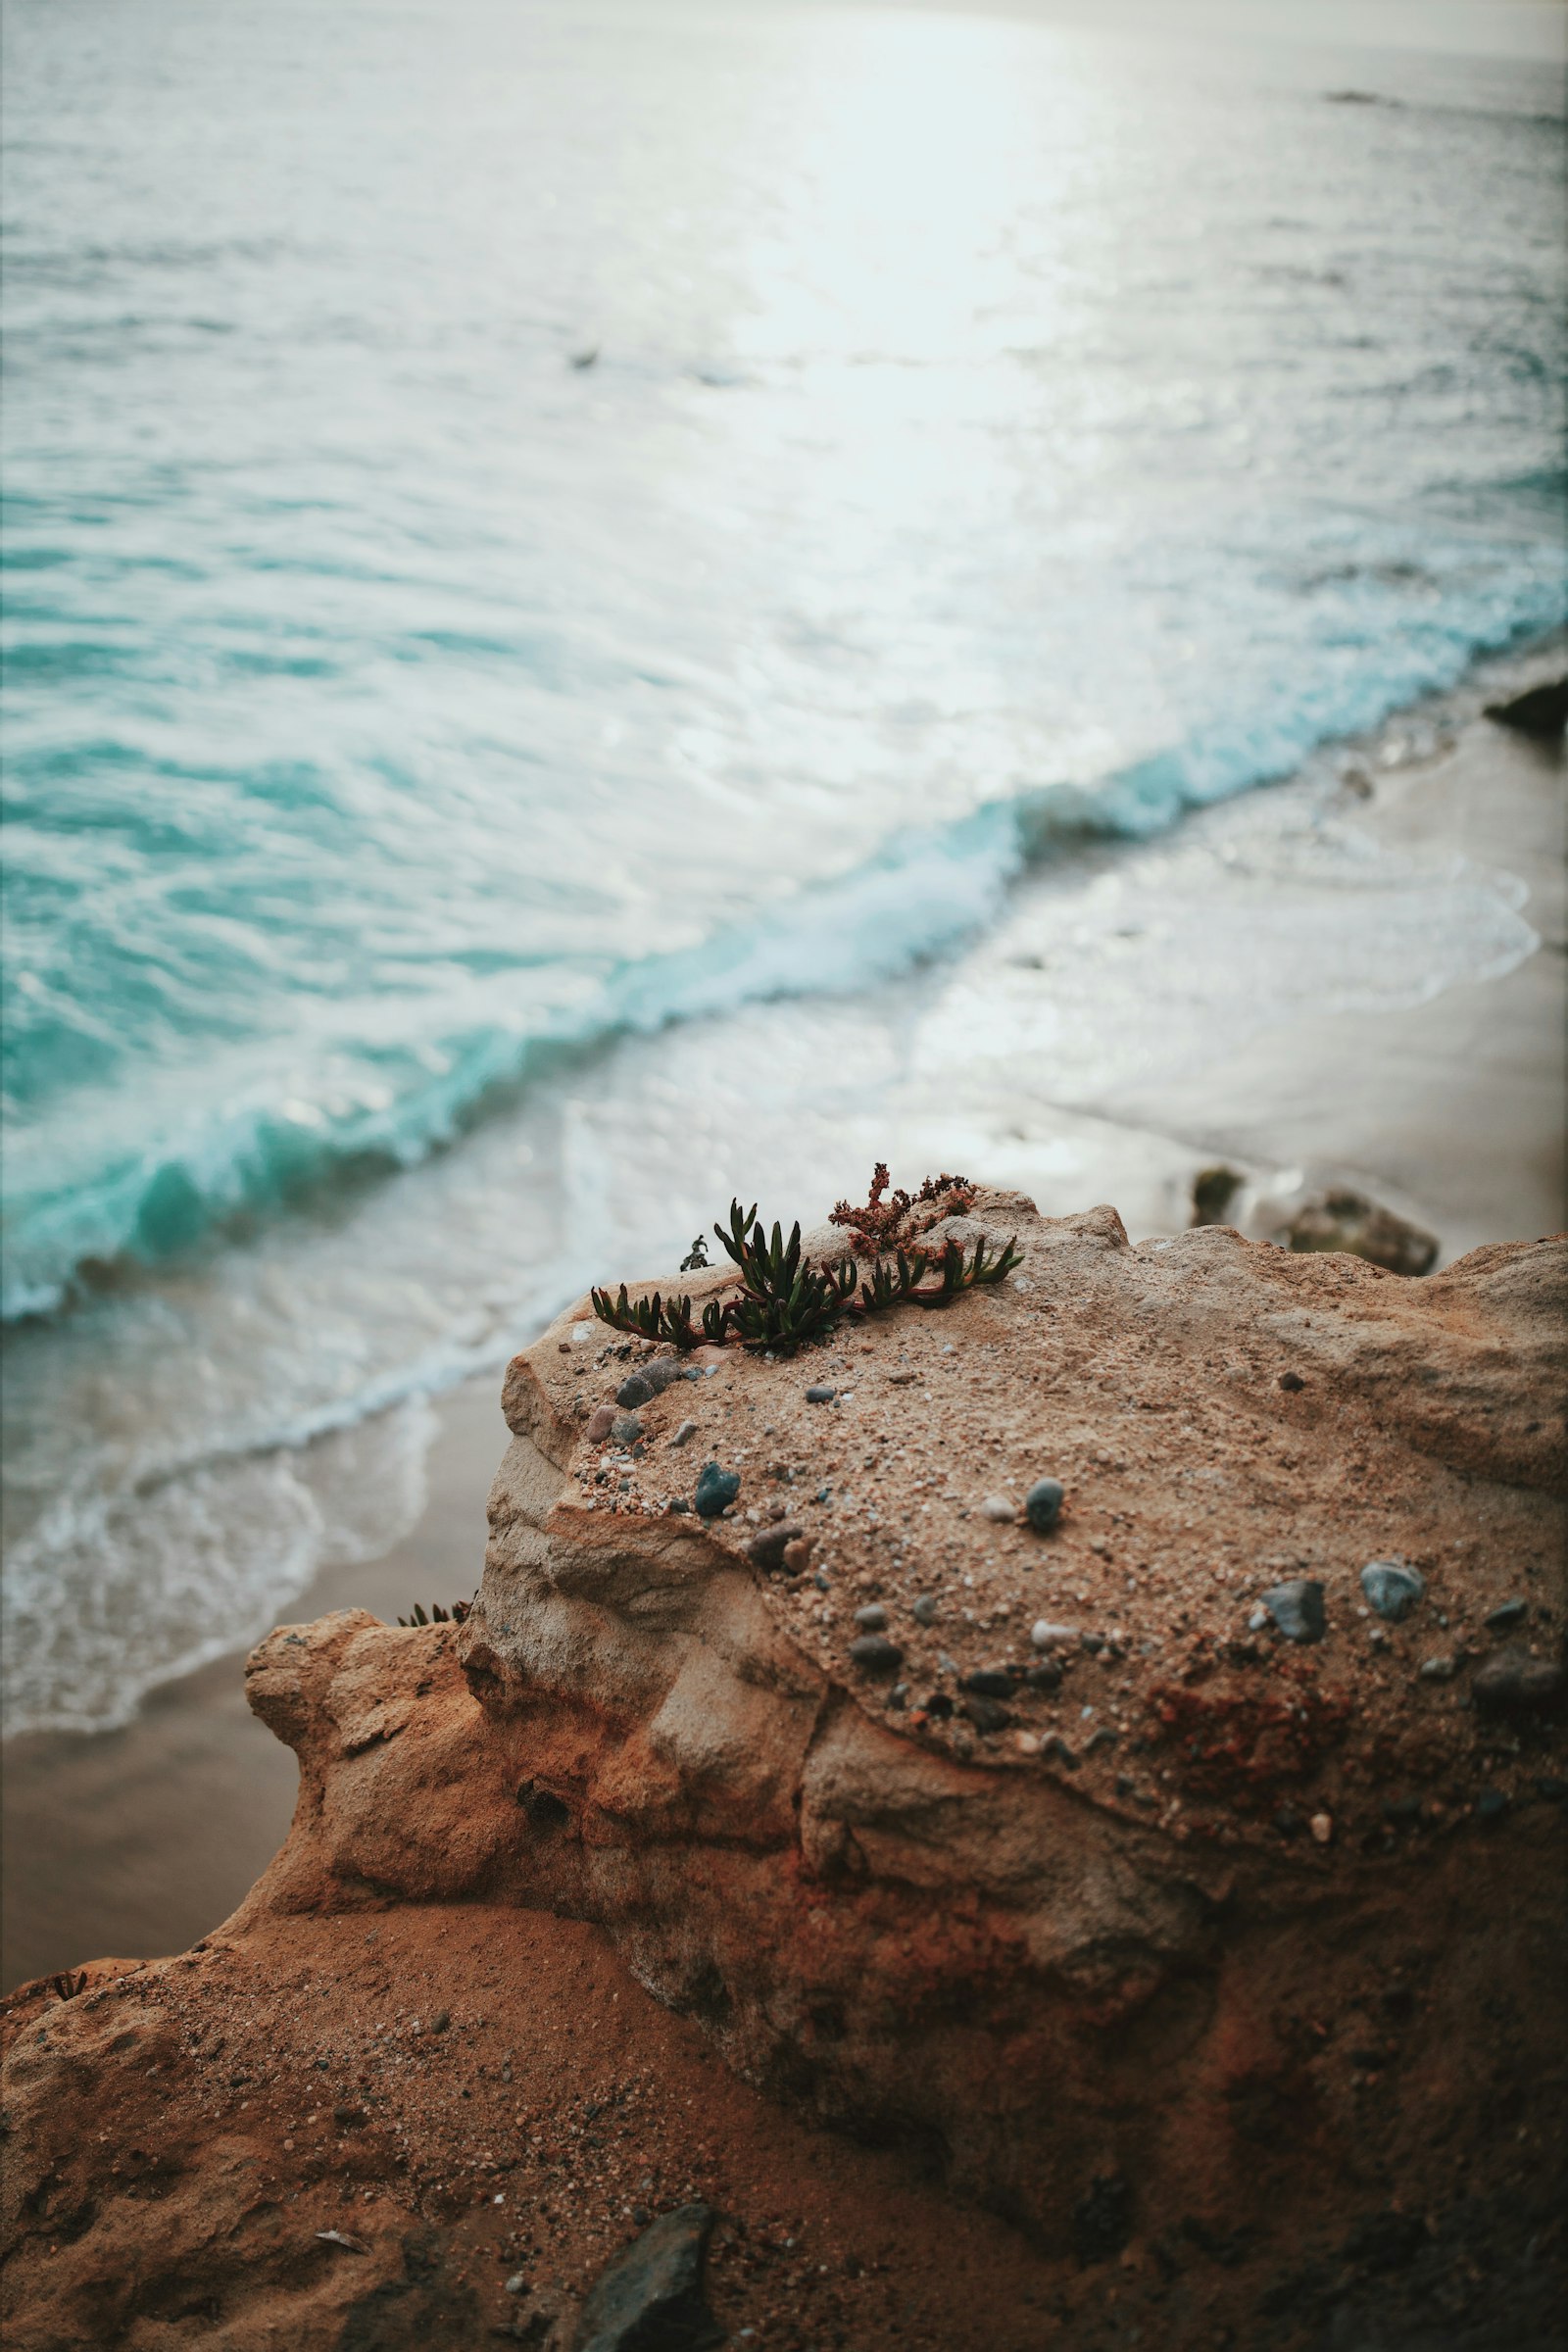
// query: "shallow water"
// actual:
[[998, 441]]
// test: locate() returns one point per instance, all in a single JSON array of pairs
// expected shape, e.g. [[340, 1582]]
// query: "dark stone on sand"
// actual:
[[1542, 710], [820, 1393], [1392, 1588], [1042, 1505], [652, 2297], [1513, 1682], [986, 1715], [1506, 1614], [1291, 1382], [1297, 1608], [652, 1380], [989, 1682], [874, 1654], [716, 1488]]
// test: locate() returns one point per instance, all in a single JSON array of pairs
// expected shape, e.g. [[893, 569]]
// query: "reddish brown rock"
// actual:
[[1211, 1928]]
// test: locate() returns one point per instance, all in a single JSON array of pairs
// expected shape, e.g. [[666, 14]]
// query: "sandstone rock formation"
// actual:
[[1049, 1857]]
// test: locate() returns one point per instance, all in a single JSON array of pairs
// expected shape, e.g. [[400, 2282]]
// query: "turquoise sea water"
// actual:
[[526, 524]]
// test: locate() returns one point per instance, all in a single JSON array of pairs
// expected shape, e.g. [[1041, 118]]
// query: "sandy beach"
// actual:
[[139, 1840]]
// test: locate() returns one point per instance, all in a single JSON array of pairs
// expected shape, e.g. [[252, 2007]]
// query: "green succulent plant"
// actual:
[[437, 1615], [784, 1300]]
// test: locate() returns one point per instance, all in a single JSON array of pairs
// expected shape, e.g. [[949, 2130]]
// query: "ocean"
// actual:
[[566, 566]]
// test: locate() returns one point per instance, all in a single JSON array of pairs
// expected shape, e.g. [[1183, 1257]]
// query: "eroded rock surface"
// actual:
[[985, 1928], [1123, 1908]]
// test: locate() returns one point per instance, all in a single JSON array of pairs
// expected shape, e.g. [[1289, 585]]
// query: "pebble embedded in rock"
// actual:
[[924, 1610], [1291, 1382], [1513, 1682], [1297, 1608], [1436, 1670], [872, 1619], [1507, 1613], [1392, 1588], [998, 1508], [1322, 1827], [717, 1490], [686, 1430], [768, 1550], [1042, 1505], [599, 1424], [989, 1682], [1046, 1636], [986, 1715], [635, 1388], [1046, 1676], [626, 1429], [820, 1393], [874, 1654]]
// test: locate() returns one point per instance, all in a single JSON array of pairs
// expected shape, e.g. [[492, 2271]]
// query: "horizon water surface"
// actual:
[[558, 562]]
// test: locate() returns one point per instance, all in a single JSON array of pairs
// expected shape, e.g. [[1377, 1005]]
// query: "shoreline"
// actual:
[[140, 1840]]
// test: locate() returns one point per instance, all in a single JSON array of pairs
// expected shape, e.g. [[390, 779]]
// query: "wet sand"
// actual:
[[137, 1842]]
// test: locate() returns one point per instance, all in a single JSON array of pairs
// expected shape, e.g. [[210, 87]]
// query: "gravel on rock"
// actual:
[[1042, 1505], [651, 2298], [1392, 1588], [1046, 1636], [1297, 1608], [1513, 1682], [874, 1654], [717, 1490]]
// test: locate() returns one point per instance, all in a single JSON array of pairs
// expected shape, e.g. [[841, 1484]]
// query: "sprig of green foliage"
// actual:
[[437, 1615], [784, 1300]]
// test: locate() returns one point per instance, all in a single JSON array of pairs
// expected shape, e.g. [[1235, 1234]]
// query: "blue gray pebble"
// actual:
[[1297, 1608], [872, 1619], [1391, 1588], [820, 1393], [1042, 1505], [716, 1488]]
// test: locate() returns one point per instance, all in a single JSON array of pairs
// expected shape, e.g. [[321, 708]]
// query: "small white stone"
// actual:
[[1322, 1826], [1046, 1636], [998, 1507]]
